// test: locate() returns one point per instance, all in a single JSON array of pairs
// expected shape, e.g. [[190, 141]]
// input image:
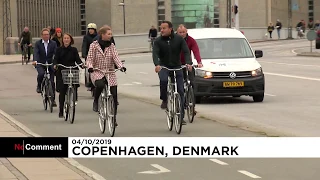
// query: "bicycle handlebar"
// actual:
[[70, 67], [44, 64], [183, 66]]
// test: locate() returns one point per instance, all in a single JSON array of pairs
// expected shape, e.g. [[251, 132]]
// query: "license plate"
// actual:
[[233, 84]]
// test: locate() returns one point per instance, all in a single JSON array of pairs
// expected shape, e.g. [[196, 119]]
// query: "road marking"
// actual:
[[157, 166], [292, 76], [136, 82], [127, 84], [219, 162], [307, 65], [270, 95], [143, 73], [249, 174]]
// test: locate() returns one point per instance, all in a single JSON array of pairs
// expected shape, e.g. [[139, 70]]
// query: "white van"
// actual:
[[229, 63]]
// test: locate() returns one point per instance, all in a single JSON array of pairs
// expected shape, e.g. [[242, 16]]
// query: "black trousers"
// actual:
[[100, 84], [29, 50], [63, 91]]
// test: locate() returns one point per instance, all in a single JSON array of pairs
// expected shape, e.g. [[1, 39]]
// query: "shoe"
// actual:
[[60, 115], [38, 90], [164, 105], [54, 104], [95, 107], [184, 122]]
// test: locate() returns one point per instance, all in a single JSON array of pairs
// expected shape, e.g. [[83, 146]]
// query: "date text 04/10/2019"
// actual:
[[155, 151]]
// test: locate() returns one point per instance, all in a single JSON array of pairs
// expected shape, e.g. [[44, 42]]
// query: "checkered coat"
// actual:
[[103, 60]]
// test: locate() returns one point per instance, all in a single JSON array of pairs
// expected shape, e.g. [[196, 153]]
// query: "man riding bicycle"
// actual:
[[193, 46], [44, 51], [25, 38], [166, 52], [153, 33]]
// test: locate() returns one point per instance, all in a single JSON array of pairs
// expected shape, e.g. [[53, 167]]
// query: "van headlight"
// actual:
[[204, 74], [257, 72]]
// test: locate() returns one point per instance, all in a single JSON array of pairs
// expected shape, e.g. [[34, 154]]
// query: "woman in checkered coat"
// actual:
[[103, 55]]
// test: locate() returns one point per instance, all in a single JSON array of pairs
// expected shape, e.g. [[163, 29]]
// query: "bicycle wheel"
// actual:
[[102, 112], [190, 104], [44, 95], [177, 113], [170, 108], [72, 105], [66, 106], [22, 59], [50, 95], [111, 115]]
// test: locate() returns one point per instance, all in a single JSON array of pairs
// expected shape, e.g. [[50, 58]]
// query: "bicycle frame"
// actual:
[[46, 80]]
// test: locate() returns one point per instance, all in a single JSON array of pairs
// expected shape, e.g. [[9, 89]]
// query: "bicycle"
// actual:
[[70, 77], [175, 108], [24, 54], [151, 40], [189, 97], [106, 106], [46, 88]]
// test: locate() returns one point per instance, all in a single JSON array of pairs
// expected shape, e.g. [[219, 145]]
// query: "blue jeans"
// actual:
[[163, 76], [41, 70]]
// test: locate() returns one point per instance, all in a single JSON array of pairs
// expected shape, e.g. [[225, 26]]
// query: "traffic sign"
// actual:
[[312, 35]]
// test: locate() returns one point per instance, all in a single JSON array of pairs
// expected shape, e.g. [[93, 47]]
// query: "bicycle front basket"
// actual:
[[73, 77]]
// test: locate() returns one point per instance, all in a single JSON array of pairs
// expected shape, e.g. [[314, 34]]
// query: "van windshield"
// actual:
[[224, 48]]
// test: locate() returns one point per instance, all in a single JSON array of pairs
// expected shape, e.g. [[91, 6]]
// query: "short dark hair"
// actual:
[[167, 22]]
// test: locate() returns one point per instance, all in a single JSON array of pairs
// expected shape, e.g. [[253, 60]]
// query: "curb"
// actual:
[[69, 161], [243, 124]]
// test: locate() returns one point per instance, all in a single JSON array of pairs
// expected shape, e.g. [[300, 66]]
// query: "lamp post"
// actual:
[[289, 19], [124, 16]]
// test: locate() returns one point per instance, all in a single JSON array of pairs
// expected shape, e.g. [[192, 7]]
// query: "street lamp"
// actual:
[[124, 16], [289, 19]]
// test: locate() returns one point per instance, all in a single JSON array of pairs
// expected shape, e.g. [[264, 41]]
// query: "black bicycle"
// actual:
[[24, 58], [47, 92], [70, 77], [189, 97]]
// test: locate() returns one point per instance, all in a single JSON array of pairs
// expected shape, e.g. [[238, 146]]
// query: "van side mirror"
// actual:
[[258, 53]]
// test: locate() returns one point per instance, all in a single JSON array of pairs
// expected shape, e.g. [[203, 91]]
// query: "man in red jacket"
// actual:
[[193, 46]]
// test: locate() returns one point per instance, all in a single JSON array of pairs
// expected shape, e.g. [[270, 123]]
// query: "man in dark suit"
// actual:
[[44, 51]]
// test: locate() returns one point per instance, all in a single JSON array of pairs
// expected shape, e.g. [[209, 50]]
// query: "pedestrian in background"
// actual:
[[270, 29], [278, 26]]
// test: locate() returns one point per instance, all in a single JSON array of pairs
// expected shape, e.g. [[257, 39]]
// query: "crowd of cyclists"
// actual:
[[170, 50]]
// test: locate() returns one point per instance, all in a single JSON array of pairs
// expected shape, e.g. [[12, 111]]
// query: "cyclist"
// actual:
[[103, 55], [57, 37], [87, 40], [44, 51], [193, 46], [25, 38], [153, 33], [68, 56], [98, 36], [166, 52]]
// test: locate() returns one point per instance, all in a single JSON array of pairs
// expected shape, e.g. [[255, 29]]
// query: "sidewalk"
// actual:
[[34, 168]]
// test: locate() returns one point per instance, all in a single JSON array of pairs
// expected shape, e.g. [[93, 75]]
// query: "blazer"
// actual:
[[39, 53]]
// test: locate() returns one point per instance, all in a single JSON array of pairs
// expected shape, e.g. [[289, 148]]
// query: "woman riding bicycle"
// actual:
[[103, 55], [67, 56]]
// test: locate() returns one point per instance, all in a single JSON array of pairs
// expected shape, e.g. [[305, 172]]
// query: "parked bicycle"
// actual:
[[189, 97], [107, 106], [70, 77], [47, 92], [175, 107]]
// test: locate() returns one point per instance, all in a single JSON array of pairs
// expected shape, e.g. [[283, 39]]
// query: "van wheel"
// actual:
[[235, 96], [258, 98], [318, 45], [198, 99]]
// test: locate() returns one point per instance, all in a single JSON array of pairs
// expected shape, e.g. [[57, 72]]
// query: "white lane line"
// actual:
[[127, 84], [136, 82], [292, 76], [143, 73], [306, 65], [219, 162], [269, 94], [249, 174]]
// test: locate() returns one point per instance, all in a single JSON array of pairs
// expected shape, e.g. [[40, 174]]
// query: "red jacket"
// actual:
[[193, 46]]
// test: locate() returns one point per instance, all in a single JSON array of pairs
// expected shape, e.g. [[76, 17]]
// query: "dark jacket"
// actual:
[[87, 40], [153, 33], [279, 24], [98, 37], [166, 51], [39, 53], [57, 41], [193, 46], [67, 56], [25, 37]]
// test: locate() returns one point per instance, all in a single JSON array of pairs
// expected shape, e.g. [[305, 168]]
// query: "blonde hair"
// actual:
[[104, 29]]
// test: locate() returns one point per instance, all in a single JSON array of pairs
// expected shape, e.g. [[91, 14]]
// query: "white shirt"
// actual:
[[46, 43]]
